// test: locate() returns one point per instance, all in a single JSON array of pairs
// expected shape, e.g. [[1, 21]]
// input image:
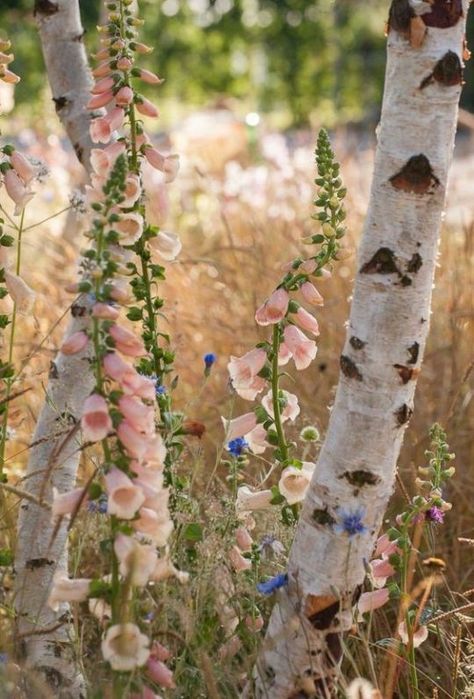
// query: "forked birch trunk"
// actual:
[[44, 640], [382, 355]]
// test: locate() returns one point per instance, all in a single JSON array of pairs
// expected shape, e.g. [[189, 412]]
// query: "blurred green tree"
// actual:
[[298, 57]]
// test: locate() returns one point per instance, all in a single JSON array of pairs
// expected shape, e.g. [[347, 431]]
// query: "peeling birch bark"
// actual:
[[61, 33], [44, 639], [382, 355]]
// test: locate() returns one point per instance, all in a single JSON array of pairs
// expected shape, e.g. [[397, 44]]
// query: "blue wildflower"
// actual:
[[237, 446], [269, 586], [160, 389], [3, 658], [209, 359], [351, 522], [98, 506]]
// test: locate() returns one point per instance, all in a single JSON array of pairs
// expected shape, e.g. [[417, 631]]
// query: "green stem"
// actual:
[[283, 446], [157, 365], [9, 381], [412, 659]]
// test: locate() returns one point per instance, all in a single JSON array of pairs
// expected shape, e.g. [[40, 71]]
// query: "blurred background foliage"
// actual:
[[303, 61]]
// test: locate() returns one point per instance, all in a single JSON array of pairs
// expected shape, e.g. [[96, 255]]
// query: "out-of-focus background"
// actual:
[[248, 83], [295, 62]]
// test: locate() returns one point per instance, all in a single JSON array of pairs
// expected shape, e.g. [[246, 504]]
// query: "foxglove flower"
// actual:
[[419, 637], [75, 343], [239, 426], [274, 309], [294, 482], [125, 498], [96, 422], [369, 601], [248, 500], [125, 647], [302, 349], [291, 409], [167, 245], [65, 589]]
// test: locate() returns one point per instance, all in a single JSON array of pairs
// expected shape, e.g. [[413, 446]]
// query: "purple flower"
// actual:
[[98, 506], [269, 586], [350, 522], [434, 514]]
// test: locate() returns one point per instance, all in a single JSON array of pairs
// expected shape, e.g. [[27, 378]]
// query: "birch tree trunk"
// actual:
[[382, 355], [44, 638]]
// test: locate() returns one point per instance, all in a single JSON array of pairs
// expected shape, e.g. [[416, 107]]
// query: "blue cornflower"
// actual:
[[351, 522], [209, 359], [160, 389], [269, 586], [98, 506], [237, 446], [3, 658]]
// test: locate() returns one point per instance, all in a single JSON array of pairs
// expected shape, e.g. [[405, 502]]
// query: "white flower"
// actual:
[[291, 409], [125, 647], [419, 637], [294, 482], [362, 689], [248, 500], [137, 561], [167, 245], [66, 590]]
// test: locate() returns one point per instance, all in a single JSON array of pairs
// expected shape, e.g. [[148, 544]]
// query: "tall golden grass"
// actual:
[[240, 220]]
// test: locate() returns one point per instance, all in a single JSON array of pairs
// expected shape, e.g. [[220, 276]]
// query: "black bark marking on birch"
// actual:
[[35, 563], [334, 648], [53, 371], [415, 264], [383, 262], [270, 672], [321, 610], [356, 343], [78, 311], [414, 351], [416, 176], [360, 478], [79, 150], [323, 517], [444, 14], [60, 103], [400, 15], [57, 650], [403, 414], [448, 71], [406, 373], [68, 418], [405, 280], [52, 677], [356, 594], [349, 368], [79, 37], [45, 7]]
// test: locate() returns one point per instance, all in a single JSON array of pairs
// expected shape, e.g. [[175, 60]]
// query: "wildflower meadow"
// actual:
[[219, 289]]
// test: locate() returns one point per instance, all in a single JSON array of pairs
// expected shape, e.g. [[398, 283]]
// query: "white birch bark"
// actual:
[[44, 638], [384, 348]]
